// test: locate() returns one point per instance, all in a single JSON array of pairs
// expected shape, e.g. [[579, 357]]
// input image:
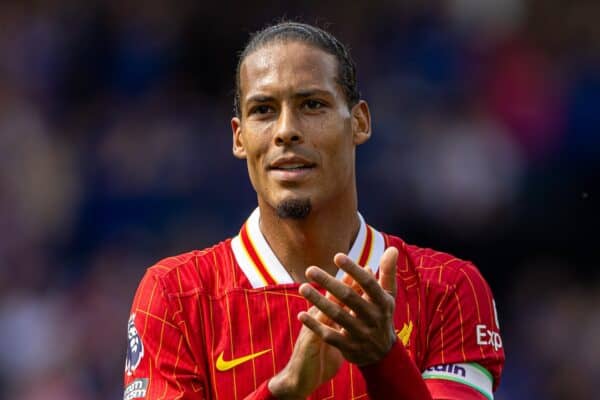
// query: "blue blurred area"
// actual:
[[115, 152]]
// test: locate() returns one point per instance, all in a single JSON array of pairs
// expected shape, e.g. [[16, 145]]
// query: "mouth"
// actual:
[[291, 169], [291, 163]]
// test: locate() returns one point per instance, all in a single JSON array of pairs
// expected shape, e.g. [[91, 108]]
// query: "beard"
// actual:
[[294, 208]]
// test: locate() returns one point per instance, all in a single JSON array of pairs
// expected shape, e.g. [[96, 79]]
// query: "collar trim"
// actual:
[[262, 267]]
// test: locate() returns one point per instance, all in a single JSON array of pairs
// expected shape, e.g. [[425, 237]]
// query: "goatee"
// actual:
[[294, 208]]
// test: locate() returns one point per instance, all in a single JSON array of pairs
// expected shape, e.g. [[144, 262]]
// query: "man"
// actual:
[[308, 301]]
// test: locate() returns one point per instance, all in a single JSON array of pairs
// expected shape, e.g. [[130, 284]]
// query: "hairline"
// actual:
[[286, 40]]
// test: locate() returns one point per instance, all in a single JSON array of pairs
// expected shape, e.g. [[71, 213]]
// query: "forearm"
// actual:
[[284, 386], [395, 376]]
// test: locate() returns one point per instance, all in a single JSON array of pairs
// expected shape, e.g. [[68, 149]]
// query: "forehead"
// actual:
[[286, 67]]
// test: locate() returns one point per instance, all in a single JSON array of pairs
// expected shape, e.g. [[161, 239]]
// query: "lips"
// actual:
[[291, 164], [291, 169]]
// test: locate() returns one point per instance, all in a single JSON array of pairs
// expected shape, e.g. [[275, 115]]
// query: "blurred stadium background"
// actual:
[[115, 152]]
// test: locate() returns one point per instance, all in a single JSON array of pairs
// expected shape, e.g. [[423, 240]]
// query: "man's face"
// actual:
[[296, 131]]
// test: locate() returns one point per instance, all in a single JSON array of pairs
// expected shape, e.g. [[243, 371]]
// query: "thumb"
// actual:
[[387, 270]]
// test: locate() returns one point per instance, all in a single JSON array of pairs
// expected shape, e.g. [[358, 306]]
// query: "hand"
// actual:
[[312, 363], [363, 326]]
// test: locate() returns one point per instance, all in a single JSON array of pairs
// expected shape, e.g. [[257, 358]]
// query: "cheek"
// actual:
[[337, 147], [255, 154], [253, 169]]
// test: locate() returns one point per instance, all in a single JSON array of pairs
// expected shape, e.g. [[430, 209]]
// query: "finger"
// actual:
[[345, 295], [348, 280], [320, 316], [326, 333], [387, 270], [351, 268], [363, 277], [329, 308]]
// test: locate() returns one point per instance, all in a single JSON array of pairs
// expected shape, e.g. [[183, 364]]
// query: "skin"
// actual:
[[293, 108]]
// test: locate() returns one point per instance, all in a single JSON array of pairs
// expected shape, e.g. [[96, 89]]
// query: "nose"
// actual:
[[288, 130]]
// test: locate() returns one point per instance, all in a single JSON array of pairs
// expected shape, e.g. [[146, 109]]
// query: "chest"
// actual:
[[248, 336]]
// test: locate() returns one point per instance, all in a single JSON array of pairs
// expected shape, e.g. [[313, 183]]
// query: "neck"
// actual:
[[313, 240]]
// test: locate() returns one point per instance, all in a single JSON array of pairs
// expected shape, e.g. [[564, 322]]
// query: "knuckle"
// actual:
[[338, 314], [319, 301], [324, 279], [346, 293], [362, 335], [340, 295], [328, 337], [370, 284]]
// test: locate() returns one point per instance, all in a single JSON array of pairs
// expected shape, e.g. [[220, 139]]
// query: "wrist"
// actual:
[[284, 387], [381, 353]]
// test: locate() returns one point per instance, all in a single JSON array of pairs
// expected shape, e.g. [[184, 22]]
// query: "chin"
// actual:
[[298, 208]]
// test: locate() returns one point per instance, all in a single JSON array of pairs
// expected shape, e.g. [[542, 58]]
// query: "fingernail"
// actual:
[[304, 290]]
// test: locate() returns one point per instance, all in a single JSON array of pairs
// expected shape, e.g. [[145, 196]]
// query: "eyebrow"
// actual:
[[259, 98], [312, 92]]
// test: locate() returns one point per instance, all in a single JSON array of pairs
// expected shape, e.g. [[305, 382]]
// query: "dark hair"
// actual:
[[296, 31]]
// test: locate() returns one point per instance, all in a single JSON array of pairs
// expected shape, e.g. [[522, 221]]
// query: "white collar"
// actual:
[[262, 267]]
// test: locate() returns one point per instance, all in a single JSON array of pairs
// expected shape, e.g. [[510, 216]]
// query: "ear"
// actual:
[[239, 150], [361, 122]]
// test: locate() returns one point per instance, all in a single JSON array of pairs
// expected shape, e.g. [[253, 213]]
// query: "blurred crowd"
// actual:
[[115, 152]]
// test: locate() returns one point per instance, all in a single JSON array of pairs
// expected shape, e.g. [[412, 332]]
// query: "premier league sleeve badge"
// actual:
[[135, 347]]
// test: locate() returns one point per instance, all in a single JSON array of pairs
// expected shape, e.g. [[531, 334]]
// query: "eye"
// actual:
[[261, 109], [313, 104]]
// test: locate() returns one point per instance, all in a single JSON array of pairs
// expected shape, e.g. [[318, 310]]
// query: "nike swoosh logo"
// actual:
[[224, 365]]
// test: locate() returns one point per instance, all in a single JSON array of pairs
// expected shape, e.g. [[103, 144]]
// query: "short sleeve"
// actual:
[[159, 363], [464, 343]]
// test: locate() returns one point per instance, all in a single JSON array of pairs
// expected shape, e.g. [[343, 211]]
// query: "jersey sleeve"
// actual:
[[395, 376], [159, 363], [463, 341]]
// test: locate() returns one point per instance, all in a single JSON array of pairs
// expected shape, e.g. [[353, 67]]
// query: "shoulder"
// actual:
[[192, 271], [434, 267], [462, 322], [446, 280]]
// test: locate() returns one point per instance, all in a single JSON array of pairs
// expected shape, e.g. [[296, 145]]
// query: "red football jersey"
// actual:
[[219, 323]]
